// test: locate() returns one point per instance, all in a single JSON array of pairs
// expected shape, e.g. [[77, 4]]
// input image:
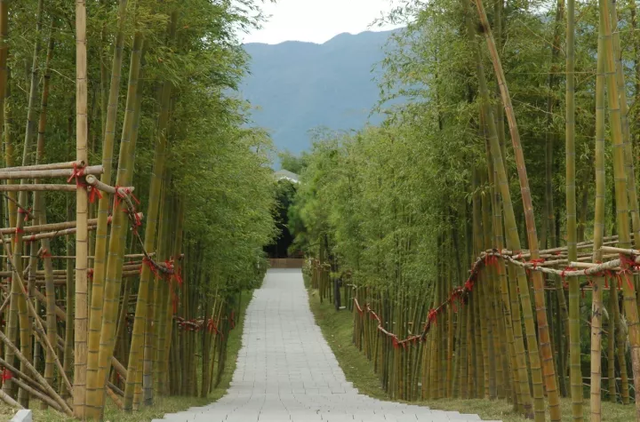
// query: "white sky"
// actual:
[[317, 20]]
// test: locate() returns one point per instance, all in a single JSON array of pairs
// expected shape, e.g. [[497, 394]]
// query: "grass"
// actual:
[[162, 405], [337, 330]]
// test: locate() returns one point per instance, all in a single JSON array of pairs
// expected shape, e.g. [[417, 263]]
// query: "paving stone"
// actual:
[[286, 371]]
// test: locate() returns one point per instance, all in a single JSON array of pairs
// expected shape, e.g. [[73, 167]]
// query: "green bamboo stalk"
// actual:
[[546, 354], [41, 218], [503, 289], [69, 295], [154, 304], [463, 385], [626, 131], [622, 208], [4, 53], [513, 242], [470, 350], [117, 239], [140, 320], [620, 349], [574, 283], [101, 242], [493, 370], [500, 311], [177, 250], [30, 132], [611, 350], [597, 306], [550, 134]]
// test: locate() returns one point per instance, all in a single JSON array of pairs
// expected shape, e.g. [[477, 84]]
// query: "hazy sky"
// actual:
[[317, 20]]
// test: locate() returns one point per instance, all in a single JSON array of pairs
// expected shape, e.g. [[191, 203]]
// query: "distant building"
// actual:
[[287, 175]]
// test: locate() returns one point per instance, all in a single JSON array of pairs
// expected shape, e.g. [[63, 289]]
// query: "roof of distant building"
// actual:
[[287, 175]]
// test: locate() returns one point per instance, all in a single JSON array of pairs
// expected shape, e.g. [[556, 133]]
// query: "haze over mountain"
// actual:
[[297, 86]]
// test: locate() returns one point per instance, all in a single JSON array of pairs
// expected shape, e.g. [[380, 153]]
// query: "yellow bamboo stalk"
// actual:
[[113, 275], [546, 354], [82, 203], [597, 305], [101, 243]]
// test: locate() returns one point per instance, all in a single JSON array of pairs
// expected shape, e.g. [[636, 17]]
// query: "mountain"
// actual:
[[297, 86]]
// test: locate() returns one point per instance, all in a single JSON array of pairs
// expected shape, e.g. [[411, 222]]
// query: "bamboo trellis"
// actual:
[[405, 356]]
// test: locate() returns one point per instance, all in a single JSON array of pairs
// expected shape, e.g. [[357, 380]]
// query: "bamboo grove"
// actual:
[[476, 261], [126, 231]]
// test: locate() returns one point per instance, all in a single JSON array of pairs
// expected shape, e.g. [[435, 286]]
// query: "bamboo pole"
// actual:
[[34, 314], [513, 240], [38, 394], [9, 400], [37, 188], [51, 166], [28, 366], [621, 202], [43, 174], [575, 370], [118, 235], [546, 354], [626, 131], [82, 199], [41, 217], [101, 243], [597, 305], [47, 227], [142, 308], [68, 313]]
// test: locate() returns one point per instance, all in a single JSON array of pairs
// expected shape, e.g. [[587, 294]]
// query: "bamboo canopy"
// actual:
[[462, 283], [74, 268]]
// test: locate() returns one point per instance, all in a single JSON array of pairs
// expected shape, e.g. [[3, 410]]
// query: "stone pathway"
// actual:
[[287, 372]]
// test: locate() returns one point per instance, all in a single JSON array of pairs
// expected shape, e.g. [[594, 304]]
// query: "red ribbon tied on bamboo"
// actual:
[[152, 266], [77, 173], [432, 317], [627, 264], [95, 194]]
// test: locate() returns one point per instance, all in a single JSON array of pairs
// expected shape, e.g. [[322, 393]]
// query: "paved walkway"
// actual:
[[287, 372]]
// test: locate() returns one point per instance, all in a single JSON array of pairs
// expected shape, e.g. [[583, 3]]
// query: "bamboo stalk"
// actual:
[[118, 234], [15, 372], [101, 244], [144, 296], [513, 240], [626, 131], [575, 370], [81, 285], [546, 355], [50, 166], [597, 305], [35, 373], [49, 401], [41, 218], [9, 400], [44, 174], [68, 315], [37, 188], [47, 227], [622, 218], [34, 315]]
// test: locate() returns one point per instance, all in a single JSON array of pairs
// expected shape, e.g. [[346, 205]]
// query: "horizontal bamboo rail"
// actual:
[[38, 188], [51, 166], [48, 174], [628, 263]]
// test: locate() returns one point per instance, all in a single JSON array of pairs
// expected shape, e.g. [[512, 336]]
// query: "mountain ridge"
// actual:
[[296, 86]]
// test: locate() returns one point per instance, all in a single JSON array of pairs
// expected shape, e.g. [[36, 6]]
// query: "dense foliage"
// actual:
[[160, 80], [404, 209]]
